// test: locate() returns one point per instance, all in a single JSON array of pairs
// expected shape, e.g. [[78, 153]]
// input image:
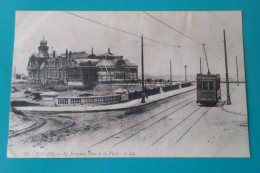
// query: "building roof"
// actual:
[[43, 40], [105, 62], [86, 62], [92, 56], [129, 64], [109, 55], [76, 55]]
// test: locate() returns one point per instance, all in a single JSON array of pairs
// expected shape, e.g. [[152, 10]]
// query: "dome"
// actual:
[[34, 55], [43, 40]]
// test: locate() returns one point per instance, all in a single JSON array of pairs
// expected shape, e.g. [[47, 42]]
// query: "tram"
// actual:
[[208, 88]]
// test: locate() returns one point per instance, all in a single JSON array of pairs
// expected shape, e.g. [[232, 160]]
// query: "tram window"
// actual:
[[200, 85], [205, 85], [211, 85]]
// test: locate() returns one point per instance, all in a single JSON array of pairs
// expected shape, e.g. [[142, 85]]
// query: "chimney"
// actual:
[[108, 50], [53, 54], [66, 53], [92, 50], [70, 55]]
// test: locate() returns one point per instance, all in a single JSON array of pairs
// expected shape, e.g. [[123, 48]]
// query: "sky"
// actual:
[[65, 31]]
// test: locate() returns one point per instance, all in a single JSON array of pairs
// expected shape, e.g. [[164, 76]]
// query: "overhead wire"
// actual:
[[176, 30], [121, 30], [136, 35], [173, 28]]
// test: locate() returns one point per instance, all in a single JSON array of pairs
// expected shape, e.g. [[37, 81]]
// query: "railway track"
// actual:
[[38, 123], [157, 121], [180, 123], [177, 125], [192, 125], [73, 123], [186, 131], [134, 129], [146, 120], [56, 132]]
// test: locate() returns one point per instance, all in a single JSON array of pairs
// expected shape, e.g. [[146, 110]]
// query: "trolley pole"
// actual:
[[142, 60], [226, 64], [200, 66], [206, 57], [237, 73], [170, 72], [185, 67]]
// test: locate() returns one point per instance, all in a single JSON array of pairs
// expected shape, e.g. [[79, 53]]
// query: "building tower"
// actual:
[[43, 48]]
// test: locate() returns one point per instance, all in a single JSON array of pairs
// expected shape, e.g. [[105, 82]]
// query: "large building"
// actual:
[[113, 67], [37, 62], [79, 68]]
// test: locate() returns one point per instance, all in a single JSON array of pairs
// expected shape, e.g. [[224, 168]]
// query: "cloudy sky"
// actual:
[[65, 31]]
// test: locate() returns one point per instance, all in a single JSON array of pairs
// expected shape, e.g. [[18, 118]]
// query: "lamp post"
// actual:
[[142, 61], [185, 67], [170, 72], [237, 72]]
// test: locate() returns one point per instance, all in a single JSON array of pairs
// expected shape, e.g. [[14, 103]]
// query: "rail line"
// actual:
[[153, 123], [175, 126], [192, 126], [38, 124], [66, 127], [56, 131], [145, 120], [185, 120]]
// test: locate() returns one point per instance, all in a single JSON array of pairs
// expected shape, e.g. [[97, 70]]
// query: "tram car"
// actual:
[[208, 88]]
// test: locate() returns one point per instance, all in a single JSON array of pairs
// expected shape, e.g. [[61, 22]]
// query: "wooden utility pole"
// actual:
[[226, 64], [142, 59], [170, 72], [185, 67], [200, 66], [237, 73]]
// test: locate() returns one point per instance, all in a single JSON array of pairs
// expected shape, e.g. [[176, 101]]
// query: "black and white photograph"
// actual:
[[123, 84]]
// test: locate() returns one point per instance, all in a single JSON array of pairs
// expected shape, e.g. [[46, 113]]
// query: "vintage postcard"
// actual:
[[128, 84]]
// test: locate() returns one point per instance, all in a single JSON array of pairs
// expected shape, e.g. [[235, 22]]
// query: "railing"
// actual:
[[95, 100]]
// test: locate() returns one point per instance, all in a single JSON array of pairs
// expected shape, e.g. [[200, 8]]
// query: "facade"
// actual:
[[78, 68], [113, 68], [83, 72], [37, 62]]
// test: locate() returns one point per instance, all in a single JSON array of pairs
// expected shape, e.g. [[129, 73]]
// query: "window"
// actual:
[[205, 85], [199, 85], [211, 85]]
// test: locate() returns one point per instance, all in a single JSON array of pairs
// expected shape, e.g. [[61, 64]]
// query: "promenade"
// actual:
[[98, 108]]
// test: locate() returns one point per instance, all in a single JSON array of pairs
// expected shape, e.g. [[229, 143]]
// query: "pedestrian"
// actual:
[[146, 92]]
